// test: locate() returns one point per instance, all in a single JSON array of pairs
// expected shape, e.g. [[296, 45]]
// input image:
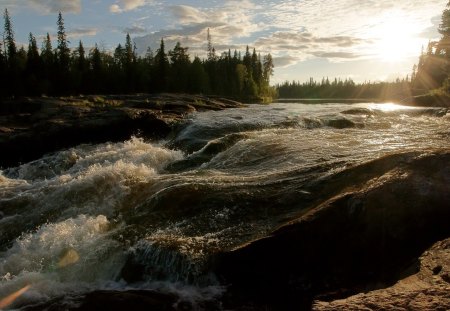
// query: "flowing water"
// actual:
[[71, 221]]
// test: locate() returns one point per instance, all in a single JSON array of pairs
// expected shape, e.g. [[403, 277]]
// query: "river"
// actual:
[[74, 221]]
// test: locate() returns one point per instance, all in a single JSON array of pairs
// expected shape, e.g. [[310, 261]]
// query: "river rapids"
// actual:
[[83, 219]]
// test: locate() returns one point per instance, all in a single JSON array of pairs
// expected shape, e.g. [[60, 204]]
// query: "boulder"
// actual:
[[427, 290], [32, 127], [367, 235]]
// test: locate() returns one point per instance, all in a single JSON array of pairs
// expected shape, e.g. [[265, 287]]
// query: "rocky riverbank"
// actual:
[[374, 223], [31, 127]]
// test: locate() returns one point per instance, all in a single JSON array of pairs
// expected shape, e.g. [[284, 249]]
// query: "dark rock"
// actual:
[[111, 300], [422, 291], [29, 128], [128, 300], [371, 234], [340, 123], [359, 111]]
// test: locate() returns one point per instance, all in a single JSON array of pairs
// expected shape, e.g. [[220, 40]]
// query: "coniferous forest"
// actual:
[[429, 79], [62, 70]]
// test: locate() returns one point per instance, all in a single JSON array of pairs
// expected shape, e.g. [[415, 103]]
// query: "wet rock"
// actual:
[[31, 127], [359, 111], [113, 300], [426, 290], [370, 233], [128, 300], [340, 123]]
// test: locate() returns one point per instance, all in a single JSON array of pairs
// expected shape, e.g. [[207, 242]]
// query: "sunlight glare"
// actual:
[[389, 107], [397, 39]]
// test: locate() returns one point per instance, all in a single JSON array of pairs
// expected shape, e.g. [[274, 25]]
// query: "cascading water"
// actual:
[[142, 214]]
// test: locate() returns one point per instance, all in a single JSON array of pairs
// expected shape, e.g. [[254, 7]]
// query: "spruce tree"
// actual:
[[444, 30], [33, 67], [63, 47], [161, 68], [48, 65], [10, 44], [63, 58]]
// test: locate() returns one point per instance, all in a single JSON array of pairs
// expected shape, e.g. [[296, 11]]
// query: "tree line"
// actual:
[[432, 73], [61, 70], [343, 89], [433, 69]]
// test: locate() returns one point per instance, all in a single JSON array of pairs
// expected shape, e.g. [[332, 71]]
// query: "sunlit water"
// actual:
[[70, 221]]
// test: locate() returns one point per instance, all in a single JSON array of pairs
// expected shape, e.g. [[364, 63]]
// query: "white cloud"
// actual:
[[135, 29], [127, 5], [294, 31], [82, 32], [55, 6], [186, 15], [232, 20]]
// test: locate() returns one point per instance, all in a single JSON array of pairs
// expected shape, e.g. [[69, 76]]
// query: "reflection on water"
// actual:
[[389, 107], [139, 214]]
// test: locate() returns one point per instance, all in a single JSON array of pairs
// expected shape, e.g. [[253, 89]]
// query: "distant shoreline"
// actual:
[[428, 100]]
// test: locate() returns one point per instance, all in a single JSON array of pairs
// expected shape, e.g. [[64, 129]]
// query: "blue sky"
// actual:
[[364, 40]]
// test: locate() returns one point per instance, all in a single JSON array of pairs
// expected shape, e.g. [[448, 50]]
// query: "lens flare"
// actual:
[[13, 297]]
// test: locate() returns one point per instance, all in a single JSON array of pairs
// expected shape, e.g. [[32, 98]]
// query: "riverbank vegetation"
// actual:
[[429, 82], [62, 70]]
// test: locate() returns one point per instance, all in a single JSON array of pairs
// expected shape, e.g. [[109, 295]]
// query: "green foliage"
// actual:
[[61, 71], [344, 89], [433, 69], [10, 44]]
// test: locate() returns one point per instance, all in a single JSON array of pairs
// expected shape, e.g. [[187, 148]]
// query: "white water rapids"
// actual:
[[70, 221]]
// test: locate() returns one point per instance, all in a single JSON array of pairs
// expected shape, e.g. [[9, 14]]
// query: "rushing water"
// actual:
[[70, 221]]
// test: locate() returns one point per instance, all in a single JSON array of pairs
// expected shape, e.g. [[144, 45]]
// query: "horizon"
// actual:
[[371, 42]]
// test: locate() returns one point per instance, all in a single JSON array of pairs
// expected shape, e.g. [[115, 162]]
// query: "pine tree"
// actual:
[[48, 66], [210, 50], [444, 30], [179, 61], [33, 67], [63, 59], [63, 47], [2, 73], [161, 68], [10, 44]]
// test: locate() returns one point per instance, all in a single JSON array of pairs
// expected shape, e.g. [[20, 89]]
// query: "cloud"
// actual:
[[82, 32], [302, 45], [55, 6], [188, 15], [432, 31], [135, 29], [229, 22], [127, 5], [342, 55], [284, 61]]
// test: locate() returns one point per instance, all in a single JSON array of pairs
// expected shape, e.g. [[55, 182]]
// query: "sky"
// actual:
[[365, 40]]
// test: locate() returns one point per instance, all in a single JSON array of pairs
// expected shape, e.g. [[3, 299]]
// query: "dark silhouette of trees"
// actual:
[[433, 68], [179, 69], [346, 89], [63, 59], [33, 67], [161, 77], [66, 71]]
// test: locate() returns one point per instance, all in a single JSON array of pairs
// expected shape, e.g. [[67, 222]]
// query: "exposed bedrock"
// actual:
[[31, 127], [366, 237], [427, 290]]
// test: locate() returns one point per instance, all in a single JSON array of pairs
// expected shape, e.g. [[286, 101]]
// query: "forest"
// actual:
[[63, 71], [430, 77], [345, 89]]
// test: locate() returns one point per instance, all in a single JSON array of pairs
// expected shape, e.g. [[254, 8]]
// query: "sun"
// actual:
[[395, 37]]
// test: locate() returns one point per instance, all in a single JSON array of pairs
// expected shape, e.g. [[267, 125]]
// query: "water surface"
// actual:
[[70, 221]]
